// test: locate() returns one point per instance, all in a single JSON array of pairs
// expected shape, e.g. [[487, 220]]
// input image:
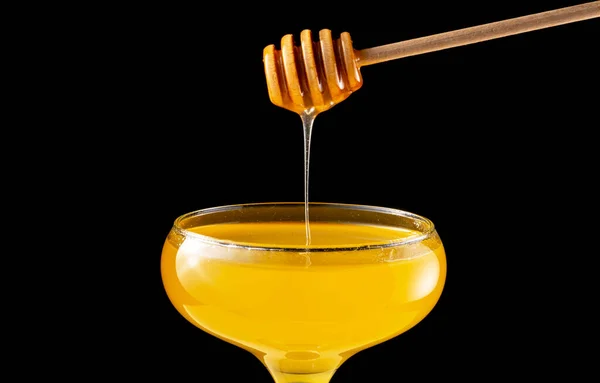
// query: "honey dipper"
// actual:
[[315, 76]]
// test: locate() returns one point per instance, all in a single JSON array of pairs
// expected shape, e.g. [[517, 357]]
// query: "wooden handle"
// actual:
[[477, 34]]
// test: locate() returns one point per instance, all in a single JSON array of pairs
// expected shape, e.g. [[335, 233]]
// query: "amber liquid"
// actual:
[[303, 312], [308, 120]]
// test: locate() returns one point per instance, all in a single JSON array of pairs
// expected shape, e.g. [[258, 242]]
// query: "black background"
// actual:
[[492, 141]]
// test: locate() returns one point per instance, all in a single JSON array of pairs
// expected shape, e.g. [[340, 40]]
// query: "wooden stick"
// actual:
[[477, 34]]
